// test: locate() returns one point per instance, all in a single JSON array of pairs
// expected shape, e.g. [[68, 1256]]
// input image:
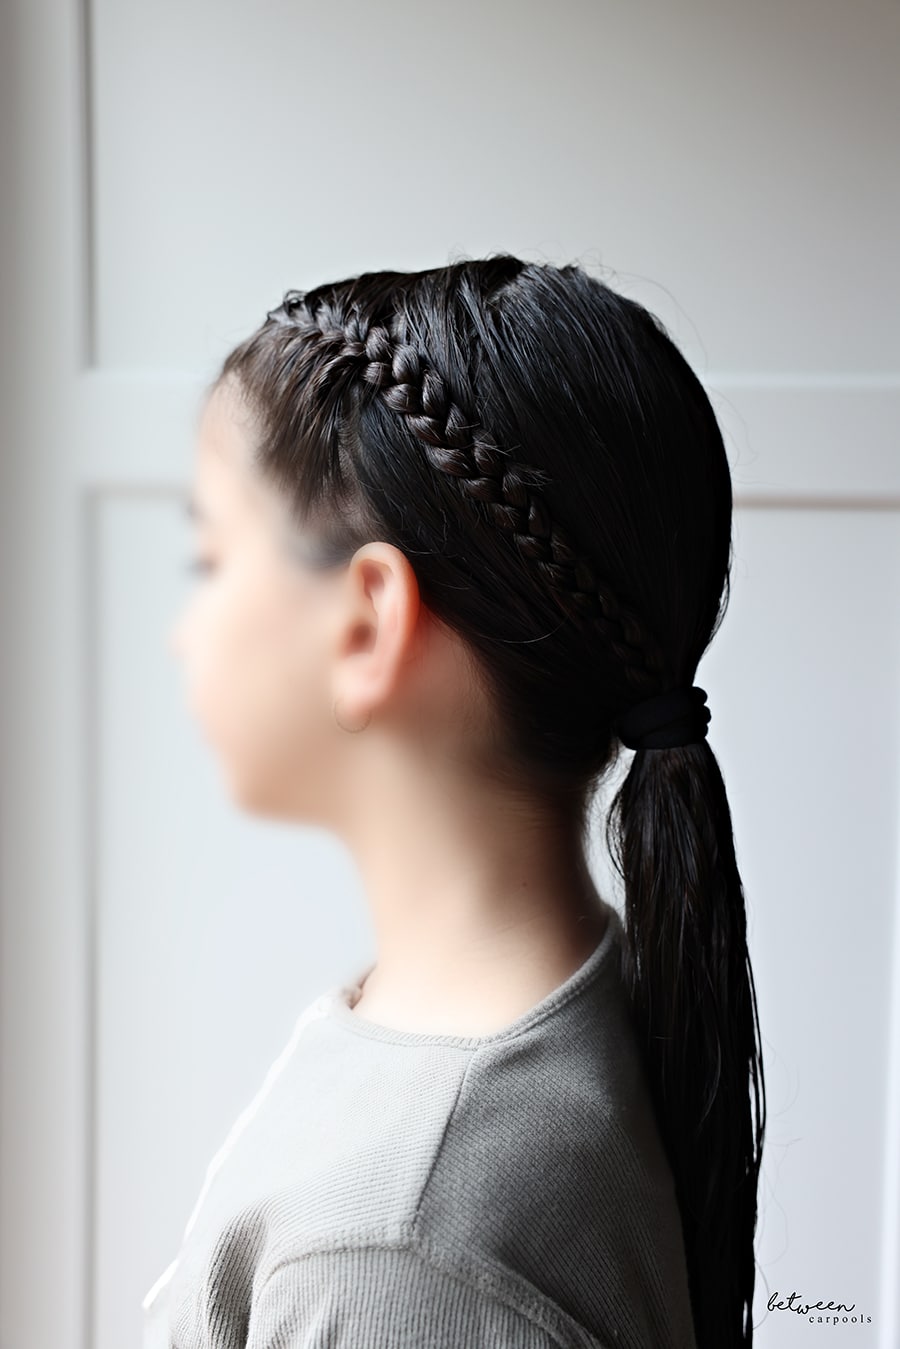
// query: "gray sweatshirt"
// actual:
[[391, 1189]]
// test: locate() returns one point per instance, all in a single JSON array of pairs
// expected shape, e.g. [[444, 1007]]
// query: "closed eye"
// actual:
[[200, 565]]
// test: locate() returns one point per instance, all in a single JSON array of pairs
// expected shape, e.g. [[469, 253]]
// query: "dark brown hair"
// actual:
[[545, 456]]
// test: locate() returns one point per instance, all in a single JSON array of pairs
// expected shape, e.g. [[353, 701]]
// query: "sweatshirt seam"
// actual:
[[428, 1257], [440, 1146]]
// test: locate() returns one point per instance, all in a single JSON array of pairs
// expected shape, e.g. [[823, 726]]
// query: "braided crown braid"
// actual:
[[456, 444]]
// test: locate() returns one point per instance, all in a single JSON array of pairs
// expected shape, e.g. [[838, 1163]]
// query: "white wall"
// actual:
[[167, 172]]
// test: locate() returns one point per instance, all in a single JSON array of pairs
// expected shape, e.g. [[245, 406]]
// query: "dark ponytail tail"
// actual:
[[688, 972]]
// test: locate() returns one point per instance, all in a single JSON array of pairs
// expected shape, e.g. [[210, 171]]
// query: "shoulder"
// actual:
[[556, 1117], [552, 1166]]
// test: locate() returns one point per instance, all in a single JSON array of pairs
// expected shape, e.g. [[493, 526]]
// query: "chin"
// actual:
[[250, 793], [257, 793]]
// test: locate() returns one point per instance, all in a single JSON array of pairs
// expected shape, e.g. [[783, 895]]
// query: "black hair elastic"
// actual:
[[677, 717]]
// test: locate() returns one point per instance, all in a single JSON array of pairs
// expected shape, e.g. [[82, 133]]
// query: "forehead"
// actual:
[[230, 494], [223, 432], [225, 483]]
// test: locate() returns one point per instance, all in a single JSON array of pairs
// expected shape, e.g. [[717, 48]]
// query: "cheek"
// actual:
[[257, 674]]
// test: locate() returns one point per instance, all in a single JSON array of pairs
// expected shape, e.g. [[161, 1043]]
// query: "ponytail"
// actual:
[[690, 981]]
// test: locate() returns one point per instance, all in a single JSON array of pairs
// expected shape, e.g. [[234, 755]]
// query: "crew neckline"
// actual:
[[339, 1003]]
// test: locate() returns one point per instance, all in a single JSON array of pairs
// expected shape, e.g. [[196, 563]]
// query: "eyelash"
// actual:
[[199, 565]]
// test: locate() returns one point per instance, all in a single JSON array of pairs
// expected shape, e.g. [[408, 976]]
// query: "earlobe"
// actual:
[[352, 729]]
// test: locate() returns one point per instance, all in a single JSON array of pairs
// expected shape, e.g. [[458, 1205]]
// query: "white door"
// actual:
[[167, 172]]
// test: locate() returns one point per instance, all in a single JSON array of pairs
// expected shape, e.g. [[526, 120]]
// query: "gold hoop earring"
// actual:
[[352, 729]]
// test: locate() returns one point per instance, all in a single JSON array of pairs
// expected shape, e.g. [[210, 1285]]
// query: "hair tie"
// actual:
[[677, 717]]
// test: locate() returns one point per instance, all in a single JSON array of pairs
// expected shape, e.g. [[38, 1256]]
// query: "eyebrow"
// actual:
[[193, 509]]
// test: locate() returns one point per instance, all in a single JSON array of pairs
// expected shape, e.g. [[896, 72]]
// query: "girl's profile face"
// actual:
[[254, 636]]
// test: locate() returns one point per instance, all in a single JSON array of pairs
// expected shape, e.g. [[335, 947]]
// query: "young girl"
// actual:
[[465, 535]]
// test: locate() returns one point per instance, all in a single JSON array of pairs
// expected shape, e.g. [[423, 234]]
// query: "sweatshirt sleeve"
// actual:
[[381, 1297]]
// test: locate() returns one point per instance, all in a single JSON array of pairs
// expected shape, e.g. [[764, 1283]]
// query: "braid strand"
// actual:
[[459, 446]]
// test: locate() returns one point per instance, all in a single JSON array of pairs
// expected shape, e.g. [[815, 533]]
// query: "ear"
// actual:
[[378, 614]]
